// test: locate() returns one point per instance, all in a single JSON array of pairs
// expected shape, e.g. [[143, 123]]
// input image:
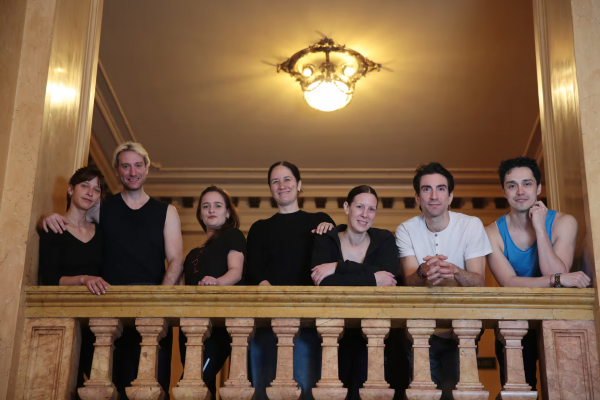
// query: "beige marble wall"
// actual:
[[586, 29], [12, 19], [46, 115]]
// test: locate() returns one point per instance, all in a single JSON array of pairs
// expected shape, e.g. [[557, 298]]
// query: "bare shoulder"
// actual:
[[564, 224], [492, 231], [172, 214]]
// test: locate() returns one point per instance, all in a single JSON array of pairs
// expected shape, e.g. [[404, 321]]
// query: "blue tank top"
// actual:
[[525, 263]]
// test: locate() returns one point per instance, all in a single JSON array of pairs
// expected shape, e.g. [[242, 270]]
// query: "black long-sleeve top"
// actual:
[[382, 255], [279, 248], [65, 255]]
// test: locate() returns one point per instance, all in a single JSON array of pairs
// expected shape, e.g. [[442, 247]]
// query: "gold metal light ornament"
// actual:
[[327, 73]]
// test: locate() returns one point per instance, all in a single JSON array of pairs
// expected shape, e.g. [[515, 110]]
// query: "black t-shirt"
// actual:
[[65, 255], [280, 248], [211, 259], [134, 243]]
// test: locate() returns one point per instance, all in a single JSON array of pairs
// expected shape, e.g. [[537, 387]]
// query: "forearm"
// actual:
[[469, 279], [232, 277], [550, 263], [415, 280], [174, 272], [72, 280], [522, 281]]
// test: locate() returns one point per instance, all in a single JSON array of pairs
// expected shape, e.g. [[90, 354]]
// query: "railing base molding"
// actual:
[[99, 392], [470, 395], [236, 393], [510, 395], [330, 393], [284, 393], [419, 394], [376, 394], [145, 393], [191, 393]]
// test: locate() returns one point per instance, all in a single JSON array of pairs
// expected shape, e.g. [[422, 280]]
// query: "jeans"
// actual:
[[444, 361], [216, 350], [530, 358], [127, 357], [263, 361]]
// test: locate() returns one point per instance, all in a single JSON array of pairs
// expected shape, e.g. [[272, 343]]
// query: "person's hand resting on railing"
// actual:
[[384, 278], [322, 271], [208, 281], [573, 280]]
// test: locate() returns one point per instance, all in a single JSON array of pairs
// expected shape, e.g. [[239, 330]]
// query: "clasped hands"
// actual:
[[436, 269]]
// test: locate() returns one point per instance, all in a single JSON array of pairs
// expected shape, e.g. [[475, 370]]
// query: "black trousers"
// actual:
[[216, 350], [127, 359], [530, 358]]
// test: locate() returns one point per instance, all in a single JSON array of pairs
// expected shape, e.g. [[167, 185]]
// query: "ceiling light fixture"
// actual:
[[328, 82]]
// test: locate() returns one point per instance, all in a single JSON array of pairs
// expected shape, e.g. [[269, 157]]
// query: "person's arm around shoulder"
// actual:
[[173, 247]]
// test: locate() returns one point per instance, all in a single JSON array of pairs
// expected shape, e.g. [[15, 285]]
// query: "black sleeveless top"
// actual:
[[133, 245]]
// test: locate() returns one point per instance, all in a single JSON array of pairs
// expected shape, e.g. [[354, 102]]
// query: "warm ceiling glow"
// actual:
[[327, 73], [327, 96]]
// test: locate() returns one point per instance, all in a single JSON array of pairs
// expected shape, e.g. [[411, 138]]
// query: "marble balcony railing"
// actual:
[[564, 319]]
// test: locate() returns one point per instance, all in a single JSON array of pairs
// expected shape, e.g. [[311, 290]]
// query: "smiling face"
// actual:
[[85, 195], [132, 170], [213, 210], [361, 213], [284, 187], [433, 196], [520, 188]]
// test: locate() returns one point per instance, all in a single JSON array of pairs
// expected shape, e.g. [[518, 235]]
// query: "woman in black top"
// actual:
[[279, 252], [74, 258], [218, 262], [355, 255]]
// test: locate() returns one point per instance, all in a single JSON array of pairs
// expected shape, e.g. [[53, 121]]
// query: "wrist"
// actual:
[[420, 273], [83, 279]]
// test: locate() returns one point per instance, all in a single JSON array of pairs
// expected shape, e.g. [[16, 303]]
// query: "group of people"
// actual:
[[530, 246]]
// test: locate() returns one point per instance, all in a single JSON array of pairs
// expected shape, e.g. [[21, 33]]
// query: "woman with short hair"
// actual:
[[74, 258]]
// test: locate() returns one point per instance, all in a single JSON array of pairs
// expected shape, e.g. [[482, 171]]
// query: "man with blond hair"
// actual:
[[139, 233]]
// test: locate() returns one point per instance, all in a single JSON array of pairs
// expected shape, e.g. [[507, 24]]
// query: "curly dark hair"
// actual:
[[430, 169], [519, 162]]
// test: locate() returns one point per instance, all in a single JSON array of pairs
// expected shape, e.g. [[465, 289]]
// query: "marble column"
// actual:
[[510, 333], [196, 330], [284, 387], [146, 387], [49, 359], [468, 388], [376, 387], [238, 387], [100, 385], [330, 386], [419, 331]]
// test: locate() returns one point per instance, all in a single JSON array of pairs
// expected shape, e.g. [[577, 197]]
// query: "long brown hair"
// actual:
[[86, 174], [232, 222]]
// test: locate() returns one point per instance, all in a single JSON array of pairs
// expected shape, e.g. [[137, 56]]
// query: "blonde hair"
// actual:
[[130, 146]]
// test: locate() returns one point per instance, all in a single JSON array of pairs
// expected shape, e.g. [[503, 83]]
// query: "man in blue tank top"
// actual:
[[531, 246]]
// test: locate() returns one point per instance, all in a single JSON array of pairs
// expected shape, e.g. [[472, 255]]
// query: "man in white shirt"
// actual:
[[441, 248]]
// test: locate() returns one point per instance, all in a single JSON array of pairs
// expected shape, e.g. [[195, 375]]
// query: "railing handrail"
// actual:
[[442, 303]]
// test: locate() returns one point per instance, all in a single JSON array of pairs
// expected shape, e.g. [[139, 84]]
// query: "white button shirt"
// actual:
[[464, 238]]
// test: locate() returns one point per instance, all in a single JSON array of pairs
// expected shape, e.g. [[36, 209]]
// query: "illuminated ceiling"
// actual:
[[197, 82]]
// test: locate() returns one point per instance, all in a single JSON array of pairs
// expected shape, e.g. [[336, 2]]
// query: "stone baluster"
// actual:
[[421, 387], [238, 387], [146, 387], [100, 385], [197, 330], [376, 387], [284, 387], [330, 386], [510, 333], [468, 388]]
